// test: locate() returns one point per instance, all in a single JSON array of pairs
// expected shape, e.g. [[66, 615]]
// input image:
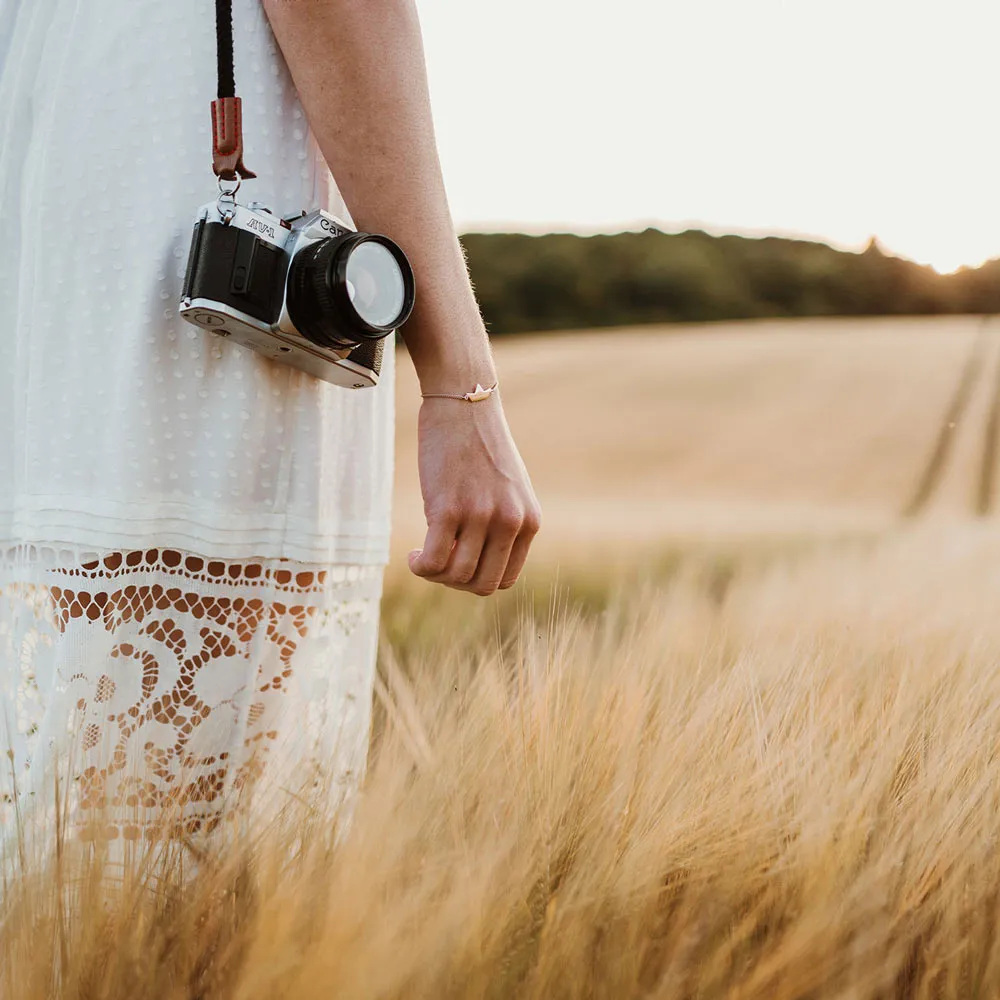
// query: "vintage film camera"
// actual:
[[308, 290]]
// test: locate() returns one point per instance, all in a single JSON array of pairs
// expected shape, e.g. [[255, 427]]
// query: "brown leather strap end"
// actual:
[[227, 139]]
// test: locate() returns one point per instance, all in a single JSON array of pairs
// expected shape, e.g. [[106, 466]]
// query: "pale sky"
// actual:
[[833, 120]]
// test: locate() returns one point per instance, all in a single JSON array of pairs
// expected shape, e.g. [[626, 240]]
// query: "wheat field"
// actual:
[[736, 735], [738, 429]]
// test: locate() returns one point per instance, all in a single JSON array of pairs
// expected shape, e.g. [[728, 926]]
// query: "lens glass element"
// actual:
[[375, 284]]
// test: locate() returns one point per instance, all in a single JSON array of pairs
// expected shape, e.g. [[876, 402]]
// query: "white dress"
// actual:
[[191, 537]]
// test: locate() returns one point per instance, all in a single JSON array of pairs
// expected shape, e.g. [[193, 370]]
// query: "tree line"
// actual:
[[564, 281]]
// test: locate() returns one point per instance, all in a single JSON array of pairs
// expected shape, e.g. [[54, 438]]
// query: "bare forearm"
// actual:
[[358, 66]]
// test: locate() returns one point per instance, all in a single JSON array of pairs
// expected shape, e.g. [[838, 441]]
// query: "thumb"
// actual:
[[433, 557], [420, 563]]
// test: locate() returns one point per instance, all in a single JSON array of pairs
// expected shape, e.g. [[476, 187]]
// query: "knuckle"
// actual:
[[532, 521], [510, 517], [463, 574]]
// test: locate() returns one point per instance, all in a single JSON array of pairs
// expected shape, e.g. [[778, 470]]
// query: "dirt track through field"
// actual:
[[986, 494], [959, 420]]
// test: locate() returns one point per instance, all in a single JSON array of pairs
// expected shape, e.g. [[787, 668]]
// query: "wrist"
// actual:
[[477, 395], [450, 380], [450, 356]]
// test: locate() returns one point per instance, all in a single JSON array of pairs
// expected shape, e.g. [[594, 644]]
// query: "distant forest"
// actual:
[[564, 281]]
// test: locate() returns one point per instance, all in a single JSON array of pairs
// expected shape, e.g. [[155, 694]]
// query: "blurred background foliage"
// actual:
[[564, 281]]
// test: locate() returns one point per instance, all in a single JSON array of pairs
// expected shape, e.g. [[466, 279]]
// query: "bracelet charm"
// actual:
[[477, 395]]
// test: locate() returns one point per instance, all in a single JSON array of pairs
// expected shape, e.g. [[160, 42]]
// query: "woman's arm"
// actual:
[[358, 66]]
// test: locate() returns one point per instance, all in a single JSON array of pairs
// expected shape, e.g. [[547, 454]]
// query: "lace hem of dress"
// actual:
[[167, 682]]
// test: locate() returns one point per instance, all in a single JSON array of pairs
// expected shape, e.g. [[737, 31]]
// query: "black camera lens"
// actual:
[[348, 289]]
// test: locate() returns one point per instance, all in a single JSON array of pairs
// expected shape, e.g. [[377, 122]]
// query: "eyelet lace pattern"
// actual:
[[170, 683]]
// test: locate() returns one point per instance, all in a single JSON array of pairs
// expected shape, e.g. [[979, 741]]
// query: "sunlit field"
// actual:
[[735, 735], [645, 435]]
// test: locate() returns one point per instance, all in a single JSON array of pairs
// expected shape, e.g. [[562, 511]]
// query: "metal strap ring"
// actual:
[[227, 199], [230, 192]]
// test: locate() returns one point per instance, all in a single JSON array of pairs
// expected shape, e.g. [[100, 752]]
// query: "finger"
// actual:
[[493, 561], [465, 557], [434, 556], [518, 555]]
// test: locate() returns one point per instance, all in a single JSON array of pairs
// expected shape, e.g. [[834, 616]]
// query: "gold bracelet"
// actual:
[[477, 395]]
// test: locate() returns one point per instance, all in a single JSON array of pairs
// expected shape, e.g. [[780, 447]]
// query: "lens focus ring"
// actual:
[[312, 303]]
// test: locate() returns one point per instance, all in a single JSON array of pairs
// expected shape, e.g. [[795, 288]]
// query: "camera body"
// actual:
[[305, 290]]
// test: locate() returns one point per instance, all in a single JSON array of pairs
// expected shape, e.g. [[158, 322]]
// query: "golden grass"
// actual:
[[762, 765], [785, 785]]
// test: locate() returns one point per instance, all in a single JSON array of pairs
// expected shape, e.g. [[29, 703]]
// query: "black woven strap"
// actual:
[[227, 111], [224, 36]]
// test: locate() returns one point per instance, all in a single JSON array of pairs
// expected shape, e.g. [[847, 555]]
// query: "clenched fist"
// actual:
[[481, 510]]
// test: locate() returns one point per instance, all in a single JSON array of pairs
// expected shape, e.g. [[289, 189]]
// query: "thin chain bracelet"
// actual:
[[477, 395]]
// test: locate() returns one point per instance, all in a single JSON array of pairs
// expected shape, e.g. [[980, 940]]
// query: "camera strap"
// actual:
[[227, 108]]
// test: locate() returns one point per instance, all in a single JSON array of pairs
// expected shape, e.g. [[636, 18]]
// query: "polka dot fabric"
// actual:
[[124, 431], [119, 422]]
